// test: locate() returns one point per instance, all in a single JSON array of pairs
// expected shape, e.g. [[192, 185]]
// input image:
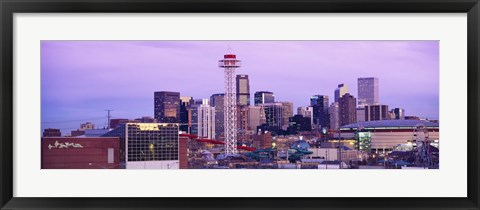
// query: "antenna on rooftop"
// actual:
[[108, 116], [229, 48]]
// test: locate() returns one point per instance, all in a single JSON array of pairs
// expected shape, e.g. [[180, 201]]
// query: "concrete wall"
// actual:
[[382, 140], [388, 140], [330, 154]]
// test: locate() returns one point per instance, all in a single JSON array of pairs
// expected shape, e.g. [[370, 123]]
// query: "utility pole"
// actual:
[[108, 116]]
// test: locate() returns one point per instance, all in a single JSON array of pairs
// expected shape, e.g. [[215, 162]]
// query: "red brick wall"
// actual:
[[93, 155], [183, 152]]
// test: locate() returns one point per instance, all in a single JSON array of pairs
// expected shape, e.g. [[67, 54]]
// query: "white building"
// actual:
[[203, 120], [328, 154]]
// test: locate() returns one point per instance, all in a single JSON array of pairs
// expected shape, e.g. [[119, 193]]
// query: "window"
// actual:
[[110, 155]]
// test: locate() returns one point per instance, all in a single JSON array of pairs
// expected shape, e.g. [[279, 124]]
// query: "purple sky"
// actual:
[[80, 79]]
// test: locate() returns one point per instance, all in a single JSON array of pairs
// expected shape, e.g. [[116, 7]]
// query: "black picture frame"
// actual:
[[10, 7]]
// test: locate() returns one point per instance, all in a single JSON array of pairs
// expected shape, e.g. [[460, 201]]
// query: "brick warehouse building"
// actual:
[[80, 153]]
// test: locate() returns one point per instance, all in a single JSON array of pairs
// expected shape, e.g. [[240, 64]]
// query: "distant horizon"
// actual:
[[80, 79]]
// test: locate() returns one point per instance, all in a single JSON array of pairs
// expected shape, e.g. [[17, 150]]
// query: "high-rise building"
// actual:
[[242, 122], [148, 145], [376, 112], [306, 112], [167, 107], [368, 91], [274, 114], [391, 115], [360, 114], [341, 90], [256, 117], [198, 101], [217, 101], [185, 113], [287, 113], [334, 111], [399, 113], [263, 97], [243, 90], [203, 120], [319, 103], [347, 109], [299, 123]]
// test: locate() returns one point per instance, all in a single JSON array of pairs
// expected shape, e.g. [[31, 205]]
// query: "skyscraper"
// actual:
[[287, 113], [243, 90], [256, 117], [368, 91], [242, 121], [167, 107], [319, 103], [334, 111], [263, 97], [360, 114], [203, 120], [217, 101], [341, 90], [347, 109], [399, 113], [299, 123], [185, 112], [306, 112], [274, 114]]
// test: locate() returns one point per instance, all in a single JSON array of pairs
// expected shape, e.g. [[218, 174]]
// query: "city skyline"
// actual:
[[82, 78]]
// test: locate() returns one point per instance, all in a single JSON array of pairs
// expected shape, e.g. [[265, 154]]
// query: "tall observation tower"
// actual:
[[229, 64]]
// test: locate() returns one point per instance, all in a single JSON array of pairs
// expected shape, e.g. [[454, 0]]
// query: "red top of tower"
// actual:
[[229, 56]]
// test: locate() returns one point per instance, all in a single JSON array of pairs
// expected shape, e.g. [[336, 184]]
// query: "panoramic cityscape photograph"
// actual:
[[240, 104]]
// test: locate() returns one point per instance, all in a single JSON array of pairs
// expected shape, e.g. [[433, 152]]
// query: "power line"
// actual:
[[98, 118]]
